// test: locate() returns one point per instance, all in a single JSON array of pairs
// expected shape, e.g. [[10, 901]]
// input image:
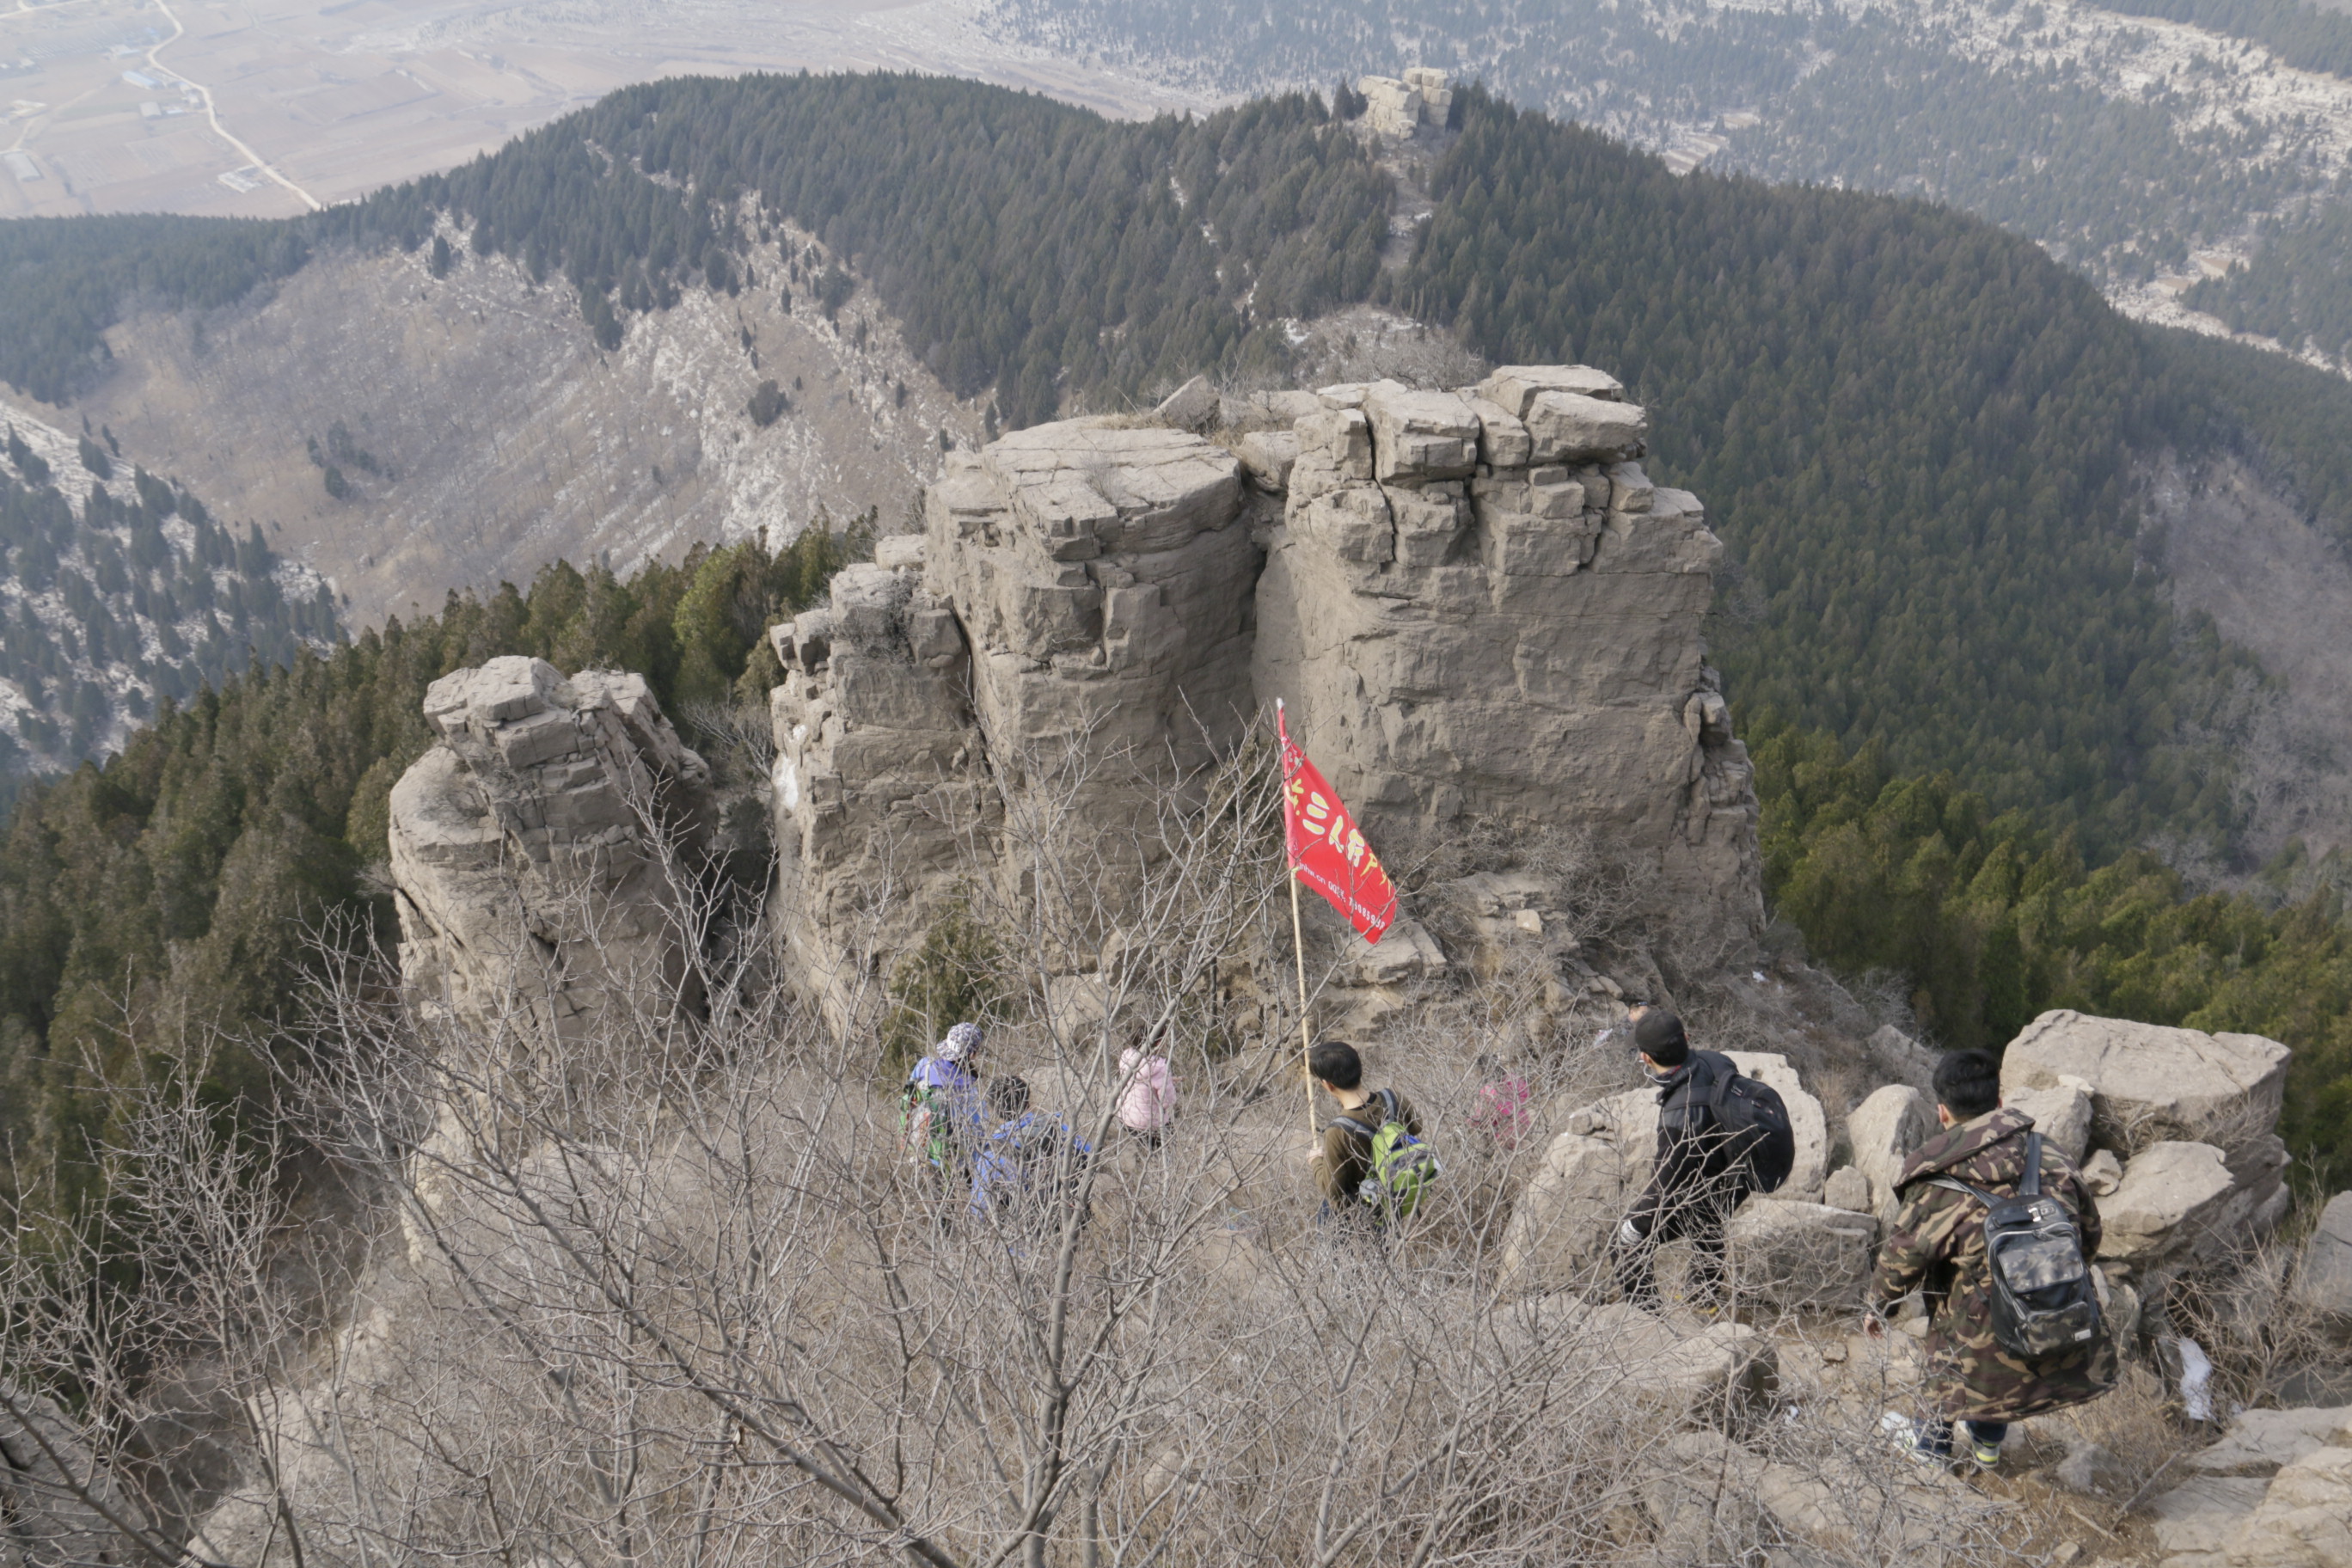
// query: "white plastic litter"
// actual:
[[2195, 1380]]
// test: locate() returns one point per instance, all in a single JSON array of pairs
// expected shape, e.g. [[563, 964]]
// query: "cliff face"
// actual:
[[1476, 604], [532, 888]]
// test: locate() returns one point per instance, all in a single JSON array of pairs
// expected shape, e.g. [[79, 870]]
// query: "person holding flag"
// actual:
[[1372, 1154]]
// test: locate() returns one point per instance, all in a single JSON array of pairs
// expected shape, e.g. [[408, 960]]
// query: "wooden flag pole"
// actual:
[[1306, 1036]]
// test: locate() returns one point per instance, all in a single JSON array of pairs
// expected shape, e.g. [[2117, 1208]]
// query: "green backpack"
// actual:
[[1402, 1166], [924, 1124]]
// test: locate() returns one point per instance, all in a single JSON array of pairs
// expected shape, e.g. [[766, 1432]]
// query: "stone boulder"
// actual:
[[2062, 1114], [2174, 1203], [2322, 1278], [532, 849], [2150, 1084], [1558, 1235], [1886, 1130], [2262, 1442], [2305, 1520], [1796, 1255], [1848, 1189]]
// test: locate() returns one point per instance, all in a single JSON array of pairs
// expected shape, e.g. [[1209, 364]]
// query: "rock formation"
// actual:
[[1394, 108], [2192, 1116], [1560, 1230], [1474, 603], [2275, 1492], [2322, 1278], [530, 881]]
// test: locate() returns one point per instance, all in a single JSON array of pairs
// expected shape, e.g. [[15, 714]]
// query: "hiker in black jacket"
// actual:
[[1697, 1179]]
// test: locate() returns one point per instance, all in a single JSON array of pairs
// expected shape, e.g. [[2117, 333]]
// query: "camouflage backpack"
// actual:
[[1401, 1165], [2043, 1301]]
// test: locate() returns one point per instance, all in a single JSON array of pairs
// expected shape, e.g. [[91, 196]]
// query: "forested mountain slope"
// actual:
[[1918, 433], [120, 591], [1919, 436], [168, 900], [2142, 142]]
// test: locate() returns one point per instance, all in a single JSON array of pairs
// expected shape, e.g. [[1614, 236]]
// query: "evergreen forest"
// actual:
[[172, 897], [135, 597]]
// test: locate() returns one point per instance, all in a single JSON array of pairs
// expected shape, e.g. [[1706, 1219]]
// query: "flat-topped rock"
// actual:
[[1514, 386], [1420, 435], [2149, 1083], [1136, 490]]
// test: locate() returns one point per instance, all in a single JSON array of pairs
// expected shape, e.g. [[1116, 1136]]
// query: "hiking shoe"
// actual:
[[1986, 1454]]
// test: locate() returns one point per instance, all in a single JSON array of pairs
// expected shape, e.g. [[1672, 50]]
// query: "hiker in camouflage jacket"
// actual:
[[1936, 1246]]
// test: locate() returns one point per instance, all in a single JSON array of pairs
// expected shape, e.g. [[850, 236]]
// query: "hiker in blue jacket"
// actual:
[[940, 1109], [1032, 1159]]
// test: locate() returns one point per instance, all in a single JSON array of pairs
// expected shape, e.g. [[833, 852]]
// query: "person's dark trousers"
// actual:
[[1936, 1436], [1700, 1221]]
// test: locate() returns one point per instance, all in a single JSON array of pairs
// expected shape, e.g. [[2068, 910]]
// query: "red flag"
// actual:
[[1327, 851]]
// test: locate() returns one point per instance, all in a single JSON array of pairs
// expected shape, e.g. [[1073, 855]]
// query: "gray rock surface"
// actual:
[[1847, 1188], [2061, 1113], [2090, 1469], [1799, 1255], [2259, 1442], [877, 774], [1520, 643], [1454, 638], [1559, 1234], [1884, 1130], [2175, 1202], [2196, 1521], [2305, 1520], [527, 848], [2322, 1278], [2149, 1083]]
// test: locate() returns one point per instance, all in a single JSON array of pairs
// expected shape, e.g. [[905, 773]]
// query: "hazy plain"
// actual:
[[260, 108]]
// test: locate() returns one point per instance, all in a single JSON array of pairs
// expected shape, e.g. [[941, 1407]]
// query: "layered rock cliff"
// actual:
[[1474, 603], [536, 850]]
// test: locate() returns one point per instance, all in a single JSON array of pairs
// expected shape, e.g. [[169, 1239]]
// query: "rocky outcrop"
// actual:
[[2148, 1083], [2193, 1117], [878, 774], [1478, 606], [1474, 603], [2275, 1492], [530, 848], [2322, 1278], [1399, 108]]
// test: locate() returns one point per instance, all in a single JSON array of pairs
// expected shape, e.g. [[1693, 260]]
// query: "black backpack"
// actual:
[[1755, 1123], [2043, 1298]]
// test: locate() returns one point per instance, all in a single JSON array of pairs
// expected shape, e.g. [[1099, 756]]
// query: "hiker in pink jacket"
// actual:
[[1148, 1103]]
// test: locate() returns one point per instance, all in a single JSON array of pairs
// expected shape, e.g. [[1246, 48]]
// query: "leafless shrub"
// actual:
[[665, 1288]]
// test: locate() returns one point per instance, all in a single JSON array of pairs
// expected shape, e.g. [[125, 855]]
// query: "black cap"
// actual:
[[1658, 1035]]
